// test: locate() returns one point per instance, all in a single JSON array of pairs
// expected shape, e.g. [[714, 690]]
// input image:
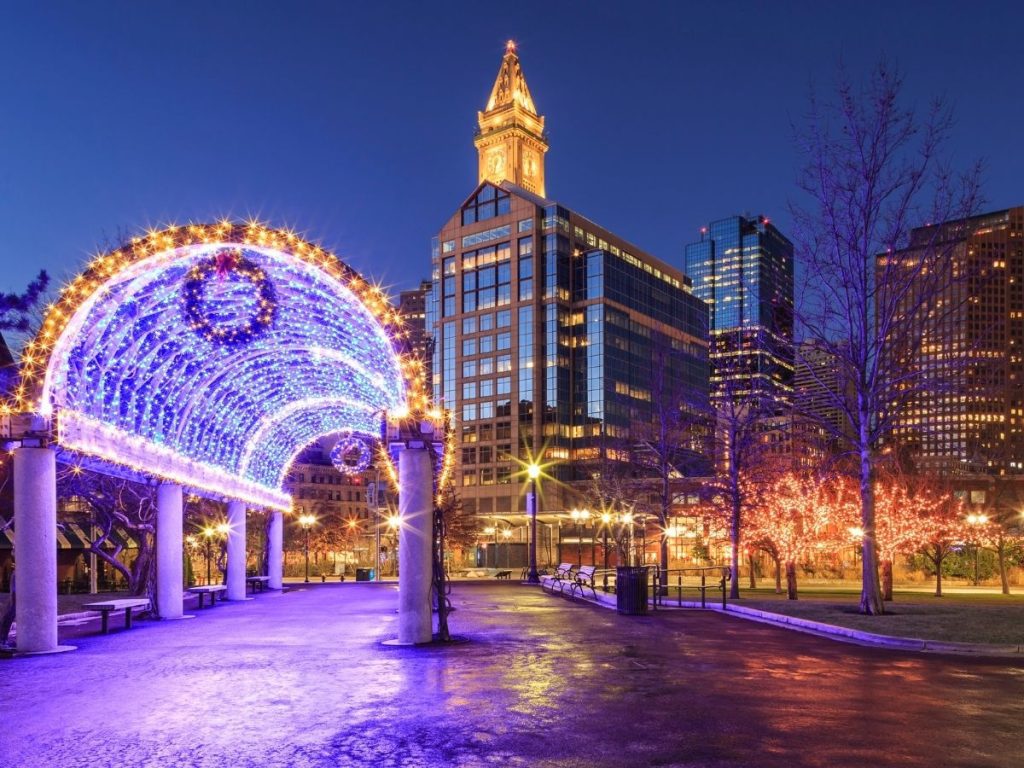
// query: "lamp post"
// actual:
[[506, 534], [606, 520], [306, 521], [394, 521], [627, 519], [975, 521], [208, 535], [533, 473], [579, 517]]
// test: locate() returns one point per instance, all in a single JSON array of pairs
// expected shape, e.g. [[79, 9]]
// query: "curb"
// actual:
[[837, 633]]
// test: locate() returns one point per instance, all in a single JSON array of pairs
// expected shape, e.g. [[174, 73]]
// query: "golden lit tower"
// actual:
[[511, 139]]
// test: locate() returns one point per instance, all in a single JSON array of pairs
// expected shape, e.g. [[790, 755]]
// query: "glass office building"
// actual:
[[743, 268], [546, 329]]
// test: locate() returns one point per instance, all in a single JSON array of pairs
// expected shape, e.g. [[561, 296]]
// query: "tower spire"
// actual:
[[510, 139]]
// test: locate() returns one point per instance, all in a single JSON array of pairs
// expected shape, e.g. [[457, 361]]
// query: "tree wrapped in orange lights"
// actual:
[[798, 514], [943, 526], [905, 521]]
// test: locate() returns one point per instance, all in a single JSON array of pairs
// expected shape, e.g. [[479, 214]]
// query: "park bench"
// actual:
[[584, 579], [212, 590], [561, 577], [126, 604], [257, 583]]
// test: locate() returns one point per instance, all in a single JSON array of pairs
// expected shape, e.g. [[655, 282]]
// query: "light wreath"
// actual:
[[341, 455], [227, 264]]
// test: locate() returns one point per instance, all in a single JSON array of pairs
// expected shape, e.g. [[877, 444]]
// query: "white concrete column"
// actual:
[[275, 550], [236, 550], [169, 554], [35, 548], [415, 540]]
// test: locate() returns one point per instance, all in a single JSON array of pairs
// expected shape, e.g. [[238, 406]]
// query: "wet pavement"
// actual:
[[301, 679]]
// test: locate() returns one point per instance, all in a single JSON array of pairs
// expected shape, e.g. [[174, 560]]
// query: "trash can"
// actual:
[[364, 574], [631, 590]]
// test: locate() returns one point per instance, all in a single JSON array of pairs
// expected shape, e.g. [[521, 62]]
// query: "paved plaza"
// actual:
[[301, 679]]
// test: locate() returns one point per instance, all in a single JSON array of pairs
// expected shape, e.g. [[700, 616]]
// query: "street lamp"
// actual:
[[306, 521], [394, 523], [208, 535], [627, 519], [975, 521], [579, 516], [606, 520], [533, 473], [506, 533]]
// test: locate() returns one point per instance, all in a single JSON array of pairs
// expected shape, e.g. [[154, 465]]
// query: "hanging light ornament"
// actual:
[[351, 456]]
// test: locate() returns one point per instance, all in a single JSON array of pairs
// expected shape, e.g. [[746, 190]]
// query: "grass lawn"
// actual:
[[961, 617]]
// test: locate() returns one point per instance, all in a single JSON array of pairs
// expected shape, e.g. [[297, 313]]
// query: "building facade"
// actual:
[[969, 419], [412, 306], [545, 328], [743, 269]]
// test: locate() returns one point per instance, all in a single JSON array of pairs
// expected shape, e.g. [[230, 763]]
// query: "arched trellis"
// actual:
[[204, 357]]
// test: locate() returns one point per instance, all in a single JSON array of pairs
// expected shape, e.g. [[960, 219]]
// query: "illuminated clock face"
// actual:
[[496, 162], [530, 164]]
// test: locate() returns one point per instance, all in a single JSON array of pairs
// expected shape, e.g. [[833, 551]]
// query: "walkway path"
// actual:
[[300, 680]]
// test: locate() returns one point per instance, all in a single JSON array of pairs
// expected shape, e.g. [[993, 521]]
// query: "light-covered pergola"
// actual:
[[204, 358]]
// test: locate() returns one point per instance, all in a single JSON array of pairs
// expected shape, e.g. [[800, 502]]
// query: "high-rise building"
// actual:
[[818, 387], [412, 306], [546, 326], [971, 348], [743, 268]]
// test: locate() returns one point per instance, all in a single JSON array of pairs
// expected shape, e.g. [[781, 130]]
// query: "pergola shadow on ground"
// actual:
[[203, 359], [302, 679]]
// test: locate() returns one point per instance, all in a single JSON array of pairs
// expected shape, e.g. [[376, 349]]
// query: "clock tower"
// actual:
[[510, 139]]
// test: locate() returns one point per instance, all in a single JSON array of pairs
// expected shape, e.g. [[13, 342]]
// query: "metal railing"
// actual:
[[675, 583]]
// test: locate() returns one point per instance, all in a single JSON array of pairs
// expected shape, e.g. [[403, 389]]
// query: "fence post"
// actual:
[[703, 588]]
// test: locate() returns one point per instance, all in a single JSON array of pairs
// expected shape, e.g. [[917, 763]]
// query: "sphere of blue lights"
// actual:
[[228, 264], [342, 455]]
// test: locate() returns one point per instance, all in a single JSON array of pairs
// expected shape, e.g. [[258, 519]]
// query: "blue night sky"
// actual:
[[353, 122]]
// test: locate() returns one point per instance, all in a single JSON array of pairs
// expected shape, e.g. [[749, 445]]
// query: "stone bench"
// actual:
[[257, 583], [212, 590], [125, 604]]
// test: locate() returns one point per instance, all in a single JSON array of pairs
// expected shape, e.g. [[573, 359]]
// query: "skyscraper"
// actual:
[[969, 418], [743, 268], [545, 324]]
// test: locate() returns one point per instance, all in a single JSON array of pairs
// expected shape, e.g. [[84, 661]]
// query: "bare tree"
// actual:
[[113, 503], [675, 441], [742, 421], [873, 170]]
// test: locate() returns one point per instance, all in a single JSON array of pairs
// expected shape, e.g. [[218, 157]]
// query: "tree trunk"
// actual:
[[663, 590], [887, 580], [141, 580], [870, 594], [778, 575], [791, 580], [1001, 554], [938, 571], [753, 577], [112, 561], [734, 536]]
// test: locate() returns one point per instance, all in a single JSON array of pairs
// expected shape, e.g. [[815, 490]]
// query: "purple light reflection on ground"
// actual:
[[301, 679]]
